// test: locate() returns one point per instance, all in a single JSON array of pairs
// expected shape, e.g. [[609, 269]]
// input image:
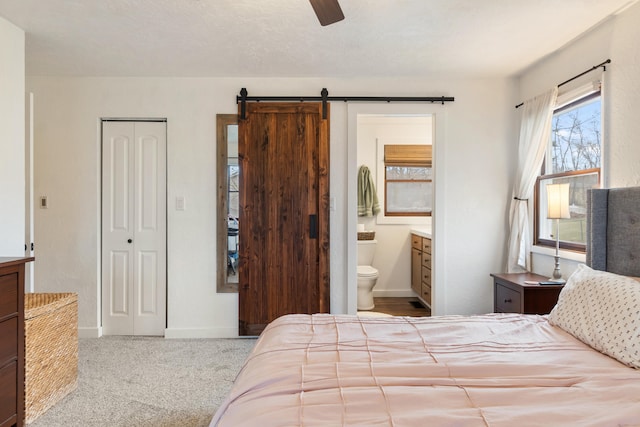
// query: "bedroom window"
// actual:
[[573, 156], [408, 180]]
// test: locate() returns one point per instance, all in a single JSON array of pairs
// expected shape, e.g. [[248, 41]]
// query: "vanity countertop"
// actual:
[[422, 231]]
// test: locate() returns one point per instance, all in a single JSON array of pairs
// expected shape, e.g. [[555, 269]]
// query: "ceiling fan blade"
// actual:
[[327, 11]]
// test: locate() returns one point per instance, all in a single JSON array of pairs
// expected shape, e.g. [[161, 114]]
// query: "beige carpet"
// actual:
[[143, 381]]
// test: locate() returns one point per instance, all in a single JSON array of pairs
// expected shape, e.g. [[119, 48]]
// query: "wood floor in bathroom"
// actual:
[[400, 306]]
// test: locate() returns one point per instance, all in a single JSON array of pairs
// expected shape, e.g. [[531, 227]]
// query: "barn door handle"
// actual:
[[313, 226]]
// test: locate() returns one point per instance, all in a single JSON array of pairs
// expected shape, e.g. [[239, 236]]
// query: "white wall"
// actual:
[[472, 148], [616, 39], [474, 188], [474, 169], [12, 140]]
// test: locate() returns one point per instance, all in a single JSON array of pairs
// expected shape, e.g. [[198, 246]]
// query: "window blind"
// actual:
[[408, 155]]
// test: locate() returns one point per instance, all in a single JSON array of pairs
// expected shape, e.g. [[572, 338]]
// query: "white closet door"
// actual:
[[133, 228]]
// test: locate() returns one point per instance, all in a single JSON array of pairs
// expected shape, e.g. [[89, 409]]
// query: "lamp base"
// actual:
[[553, 281], [557, 276]]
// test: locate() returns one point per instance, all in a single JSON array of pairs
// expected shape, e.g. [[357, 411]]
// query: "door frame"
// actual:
[[223, 121], [29, 270], [439, 155], [101, 122]]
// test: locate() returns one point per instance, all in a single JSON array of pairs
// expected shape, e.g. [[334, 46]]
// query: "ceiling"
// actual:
[[282, 38]]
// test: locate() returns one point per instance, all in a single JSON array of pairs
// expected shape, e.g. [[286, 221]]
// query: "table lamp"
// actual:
[[557, 208]]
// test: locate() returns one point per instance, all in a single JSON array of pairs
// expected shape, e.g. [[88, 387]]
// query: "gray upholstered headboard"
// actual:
[[613, 230]]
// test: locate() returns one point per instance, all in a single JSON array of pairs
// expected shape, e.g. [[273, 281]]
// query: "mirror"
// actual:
[[228, 174]]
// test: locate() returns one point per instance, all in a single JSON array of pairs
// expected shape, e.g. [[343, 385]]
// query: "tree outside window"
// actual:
[[573, 156]]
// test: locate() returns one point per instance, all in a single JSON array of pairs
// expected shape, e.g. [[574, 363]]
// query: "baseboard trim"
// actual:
[[172, 333], [93, 332], [398, 293]]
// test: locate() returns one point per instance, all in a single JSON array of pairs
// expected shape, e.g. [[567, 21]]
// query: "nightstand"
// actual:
[[512, 295]]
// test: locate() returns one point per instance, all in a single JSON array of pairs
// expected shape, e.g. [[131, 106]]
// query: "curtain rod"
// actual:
[[595, 67], [324, 97]]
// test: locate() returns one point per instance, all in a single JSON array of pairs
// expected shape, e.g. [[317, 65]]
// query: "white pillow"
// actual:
[[602, 310]]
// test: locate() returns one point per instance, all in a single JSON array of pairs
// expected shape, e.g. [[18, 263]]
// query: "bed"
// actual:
[[578, 366]]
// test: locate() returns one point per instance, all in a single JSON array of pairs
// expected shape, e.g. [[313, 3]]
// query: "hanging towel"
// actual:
[[367, 197]]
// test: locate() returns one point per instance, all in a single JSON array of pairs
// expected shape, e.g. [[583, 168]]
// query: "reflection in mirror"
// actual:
[[233, 185], [228, 174]]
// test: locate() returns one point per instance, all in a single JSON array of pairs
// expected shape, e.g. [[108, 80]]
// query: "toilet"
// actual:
[[367, 275]]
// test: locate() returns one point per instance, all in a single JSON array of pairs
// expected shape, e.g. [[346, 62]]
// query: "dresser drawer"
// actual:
[[8, 391], [507, 300], [416, 242], [8, 340], [426, 245], [9, 292]]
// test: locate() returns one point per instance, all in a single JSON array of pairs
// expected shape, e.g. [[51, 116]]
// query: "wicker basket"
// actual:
[[51, 350], [366, 235]]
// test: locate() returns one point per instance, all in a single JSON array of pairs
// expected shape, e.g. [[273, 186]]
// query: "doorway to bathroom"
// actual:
[[371, 128]]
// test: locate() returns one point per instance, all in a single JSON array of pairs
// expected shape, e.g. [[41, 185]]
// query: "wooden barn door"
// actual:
[[283, 151]]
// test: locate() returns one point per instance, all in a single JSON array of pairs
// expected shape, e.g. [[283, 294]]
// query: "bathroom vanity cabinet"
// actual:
[[421, 267]]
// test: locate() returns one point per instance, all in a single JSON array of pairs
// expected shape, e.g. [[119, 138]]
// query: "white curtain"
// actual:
[[535, 129]]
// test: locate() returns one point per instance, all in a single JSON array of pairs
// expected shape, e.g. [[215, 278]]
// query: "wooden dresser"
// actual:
[[12, 341], [421, 267]]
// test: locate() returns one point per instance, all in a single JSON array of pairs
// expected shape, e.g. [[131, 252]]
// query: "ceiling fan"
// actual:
[[327, 11]]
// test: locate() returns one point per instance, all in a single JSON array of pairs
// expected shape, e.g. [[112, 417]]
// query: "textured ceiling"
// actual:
[[282, 38]]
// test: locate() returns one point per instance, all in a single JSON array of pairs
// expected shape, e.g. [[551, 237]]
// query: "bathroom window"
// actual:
[[408, 181]]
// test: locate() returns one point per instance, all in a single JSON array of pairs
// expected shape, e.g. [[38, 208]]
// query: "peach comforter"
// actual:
[[489, 370]]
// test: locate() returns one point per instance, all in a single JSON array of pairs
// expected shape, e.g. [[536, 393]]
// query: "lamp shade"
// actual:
[[558, 201]]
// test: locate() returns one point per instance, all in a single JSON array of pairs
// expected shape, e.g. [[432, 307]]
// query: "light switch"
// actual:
[[180, 206], [43, 202]]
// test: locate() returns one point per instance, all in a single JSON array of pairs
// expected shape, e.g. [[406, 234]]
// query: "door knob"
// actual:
[[129, 241]]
